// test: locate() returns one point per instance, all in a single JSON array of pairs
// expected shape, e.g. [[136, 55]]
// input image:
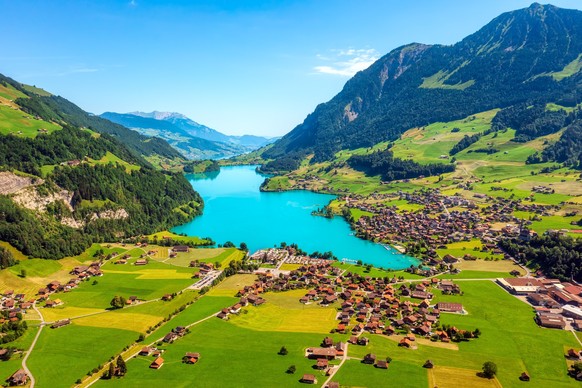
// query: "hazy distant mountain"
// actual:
[[528, 56], [194, 140]]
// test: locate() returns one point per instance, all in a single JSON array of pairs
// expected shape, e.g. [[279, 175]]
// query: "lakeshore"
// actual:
[[237, 211]]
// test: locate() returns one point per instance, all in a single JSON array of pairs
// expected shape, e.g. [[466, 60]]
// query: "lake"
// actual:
[[236, 210]]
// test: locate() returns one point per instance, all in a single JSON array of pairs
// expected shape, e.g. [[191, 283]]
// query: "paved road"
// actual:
[[41, 326]]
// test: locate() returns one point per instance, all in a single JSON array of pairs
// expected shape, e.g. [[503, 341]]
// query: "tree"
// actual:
[[291, 369], [283, 351], [111, 371], [244, 247], [118, 302], [140, 338], [122, 368], [489, 369], [228, 244], [476, 333], [23, 273]]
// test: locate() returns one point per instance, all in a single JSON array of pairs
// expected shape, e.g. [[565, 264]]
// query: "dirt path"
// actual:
[[24, 366]]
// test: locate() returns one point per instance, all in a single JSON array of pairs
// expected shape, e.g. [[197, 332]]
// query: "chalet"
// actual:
[[8, 293], [141, 262], [573, 354], [405, 342], [157, 363], [524, 376], [353, 340], [333, 384], [167, 297], [43, 291], [428, 364], [369, 358], [421, 295], [61, 323], [329, 353], [450, 307], [18, 378], [381, 364], [121, 261], [170, 337], [235, 309], [309, 379], [79, 270], [322, 363], [550, 320], [327, 342], [191, 358], [181, 248], [222, 315], [145, 351], [53, 286], [363, 341], [329, 299]]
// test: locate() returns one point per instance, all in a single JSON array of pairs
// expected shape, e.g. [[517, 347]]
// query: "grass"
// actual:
[[569, 70], [231, 285], [289, 267], [110, 158], [175, 237], [437, 81], [205, 255], [374, 272], [399, 374], [456, 377], [473, 248], [471, 274], [63, 355], [235, 356], [14, 121], [357, 213], [15, 252], [284, 313]]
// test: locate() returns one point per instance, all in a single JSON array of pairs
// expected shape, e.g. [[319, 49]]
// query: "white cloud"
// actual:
[[346, 62]]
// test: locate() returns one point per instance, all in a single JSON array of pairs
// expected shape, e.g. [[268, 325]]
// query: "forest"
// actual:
[[557, 256], [384, 163]]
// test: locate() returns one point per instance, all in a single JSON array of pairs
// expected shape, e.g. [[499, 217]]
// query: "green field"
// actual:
[[16, 122], [233, 357], [64, 355], [110, 158]]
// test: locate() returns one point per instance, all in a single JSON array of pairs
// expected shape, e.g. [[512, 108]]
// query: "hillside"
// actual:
[[70, 179], [194, 140], [526, 56]]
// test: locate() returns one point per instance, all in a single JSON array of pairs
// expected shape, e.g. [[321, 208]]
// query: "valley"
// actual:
[[421, 228]]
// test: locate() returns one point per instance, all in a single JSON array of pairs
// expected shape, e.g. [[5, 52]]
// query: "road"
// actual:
[[24, 366]]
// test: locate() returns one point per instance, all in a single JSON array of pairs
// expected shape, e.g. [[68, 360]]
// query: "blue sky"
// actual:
[[255, 67]]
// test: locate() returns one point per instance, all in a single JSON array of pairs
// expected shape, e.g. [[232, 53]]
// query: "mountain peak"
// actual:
[[160, 115]]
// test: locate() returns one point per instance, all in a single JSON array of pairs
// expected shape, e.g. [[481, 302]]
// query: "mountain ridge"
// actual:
[[194, 140], [509, 61]]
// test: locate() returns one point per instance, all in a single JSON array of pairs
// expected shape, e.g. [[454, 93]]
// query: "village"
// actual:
[[387, 307], [443, 219]]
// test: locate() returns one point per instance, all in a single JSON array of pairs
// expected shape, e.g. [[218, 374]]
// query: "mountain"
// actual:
[[69, 179], [194, 140], [528, 56]]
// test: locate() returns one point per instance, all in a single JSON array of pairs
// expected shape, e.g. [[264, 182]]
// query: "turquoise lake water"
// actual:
[[235, 210]]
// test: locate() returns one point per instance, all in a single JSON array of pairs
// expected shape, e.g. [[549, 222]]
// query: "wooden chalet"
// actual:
[[309, 379], [191, 358], [157, 363], [18, 378]]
